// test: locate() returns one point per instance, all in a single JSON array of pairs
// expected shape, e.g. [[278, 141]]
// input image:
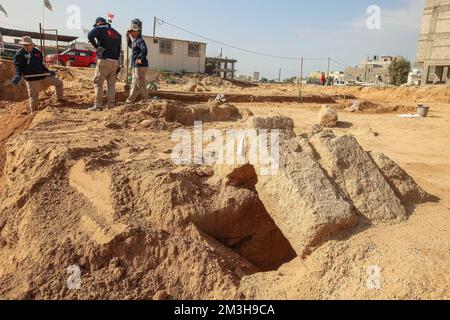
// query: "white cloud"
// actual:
[[405, 18], [352, 41]]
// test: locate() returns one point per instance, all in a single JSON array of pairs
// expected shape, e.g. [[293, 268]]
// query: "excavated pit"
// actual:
[[102, 195]]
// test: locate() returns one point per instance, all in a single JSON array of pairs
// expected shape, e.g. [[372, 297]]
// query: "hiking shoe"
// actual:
[[95, 108]]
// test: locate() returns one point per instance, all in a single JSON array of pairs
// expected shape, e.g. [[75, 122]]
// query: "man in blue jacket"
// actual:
[[108, 43], [29, 64], [139, 63]]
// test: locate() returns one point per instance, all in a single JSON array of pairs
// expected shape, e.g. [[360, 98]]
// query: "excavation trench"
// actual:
[[263, 244]]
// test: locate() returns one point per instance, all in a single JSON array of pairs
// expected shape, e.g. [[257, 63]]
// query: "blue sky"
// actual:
[[314, 29]]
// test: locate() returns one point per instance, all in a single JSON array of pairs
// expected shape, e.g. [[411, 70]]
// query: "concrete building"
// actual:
[[433, 53], [221, 67], [316, 74], [256, 76], [338, 77], [174, 55], [374, 69]]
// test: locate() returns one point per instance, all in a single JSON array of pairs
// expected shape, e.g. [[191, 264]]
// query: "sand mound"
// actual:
[[9, 92], [135, 228], [83, 201], [428, 94], [372, 107]]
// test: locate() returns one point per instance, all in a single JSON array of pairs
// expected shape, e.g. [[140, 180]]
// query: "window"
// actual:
[[165, 46], [194, 50], [85, 54], [72, 53]]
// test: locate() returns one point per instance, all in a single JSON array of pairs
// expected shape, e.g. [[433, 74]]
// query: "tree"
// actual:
[[264, 80], [290, 80], [399, 70]]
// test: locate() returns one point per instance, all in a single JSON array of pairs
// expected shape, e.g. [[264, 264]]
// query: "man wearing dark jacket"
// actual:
[[139, 63], [29, 65], [108, 43]]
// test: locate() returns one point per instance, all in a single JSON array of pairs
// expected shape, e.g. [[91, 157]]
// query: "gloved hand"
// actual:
[[16, 80], [52, 73]]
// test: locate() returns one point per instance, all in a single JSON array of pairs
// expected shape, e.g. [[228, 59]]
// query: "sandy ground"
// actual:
[[413, 257]]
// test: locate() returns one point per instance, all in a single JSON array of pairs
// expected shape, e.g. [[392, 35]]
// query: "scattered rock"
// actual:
[[328, 117], [355, 172], [224, 112], [284, 124], [403, 184], [304, 203], [246, 113], [190, 87], [213, 112], [354, 107]]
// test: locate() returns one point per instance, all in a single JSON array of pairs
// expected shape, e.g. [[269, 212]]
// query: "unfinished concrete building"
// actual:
[[374, 69], [221, 67], [433, 53]]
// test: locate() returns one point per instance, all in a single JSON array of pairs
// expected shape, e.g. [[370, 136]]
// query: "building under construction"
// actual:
[[433, 53]]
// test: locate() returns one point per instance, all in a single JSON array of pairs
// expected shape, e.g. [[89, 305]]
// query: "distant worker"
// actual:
[[108, 43], [29, 64], [323, 79], [139, 63]]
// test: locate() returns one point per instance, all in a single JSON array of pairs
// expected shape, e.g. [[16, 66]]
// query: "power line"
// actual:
[[339, 63], [15, 26], [161, 22]]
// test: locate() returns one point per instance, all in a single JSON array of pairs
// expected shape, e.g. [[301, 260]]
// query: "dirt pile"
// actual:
[[201, 83], [107, 198], [214, 111], [427, 94], [372, 107], [78, 198], [9, 92]]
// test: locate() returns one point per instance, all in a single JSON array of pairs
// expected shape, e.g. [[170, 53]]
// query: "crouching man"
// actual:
[[139, 63], [29, 65]]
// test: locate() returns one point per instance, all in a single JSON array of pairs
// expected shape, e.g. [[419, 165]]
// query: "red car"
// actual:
[[76, 57]]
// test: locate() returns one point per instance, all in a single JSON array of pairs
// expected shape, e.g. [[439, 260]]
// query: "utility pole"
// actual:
[[279, 76], [301, 82], [328, 68], [154, 27]]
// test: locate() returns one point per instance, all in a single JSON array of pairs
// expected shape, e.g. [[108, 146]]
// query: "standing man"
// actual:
[[108, 43], [139, 63], [29, 64]]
